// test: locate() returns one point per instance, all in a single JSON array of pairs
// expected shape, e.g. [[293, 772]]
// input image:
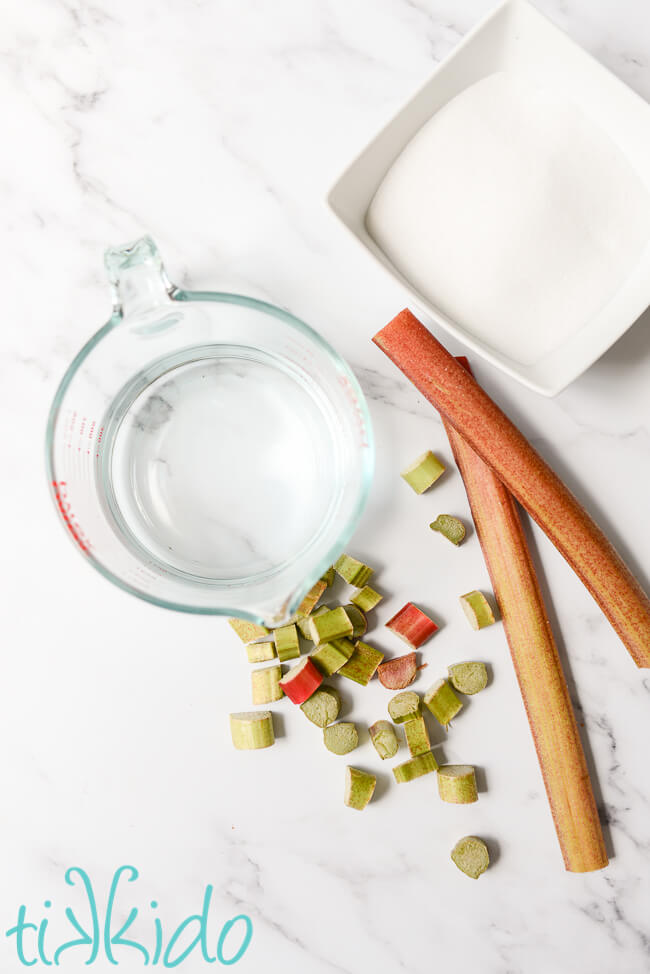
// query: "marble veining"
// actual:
[[218, 127]]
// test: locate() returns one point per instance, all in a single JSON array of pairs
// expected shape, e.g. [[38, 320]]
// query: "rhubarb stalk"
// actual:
[[489, 432], [536, 661]]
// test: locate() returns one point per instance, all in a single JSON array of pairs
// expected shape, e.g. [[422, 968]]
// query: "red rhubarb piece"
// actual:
[[412, 625], [395, 674], [301, 681]]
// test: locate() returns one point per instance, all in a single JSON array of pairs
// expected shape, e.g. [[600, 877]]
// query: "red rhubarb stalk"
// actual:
[[456, 395], [536, 660]]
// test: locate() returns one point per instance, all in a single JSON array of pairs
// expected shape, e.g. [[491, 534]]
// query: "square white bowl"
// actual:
[[515, 37]]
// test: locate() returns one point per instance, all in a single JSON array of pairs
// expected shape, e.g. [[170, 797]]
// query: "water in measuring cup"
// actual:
[[225, 466]]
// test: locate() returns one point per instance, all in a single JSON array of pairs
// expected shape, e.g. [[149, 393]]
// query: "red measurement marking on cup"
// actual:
[[62, 502], [351, 395]]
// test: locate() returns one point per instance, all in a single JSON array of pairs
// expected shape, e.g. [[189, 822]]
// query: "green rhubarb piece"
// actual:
[[359, 788], [323, 707], [404, 706], [331, 657], [471, 856], [352, 571], [310, 600], [340, 738], [287, 644], [265, 684], [303, 622], [328, 576], [415, 767], [442, 702], [247, 630], [260, 652], [457, 784], [423, 472], [450, 527], [477, 609], [333, 624], [253, 730], [468, 678], [383, 736], [362, 664], [358, 620], [417, 736], [366, 598]]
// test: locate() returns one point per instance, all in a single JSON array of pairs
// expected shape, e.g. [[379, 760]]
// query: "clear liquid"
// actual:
[[224, 467]]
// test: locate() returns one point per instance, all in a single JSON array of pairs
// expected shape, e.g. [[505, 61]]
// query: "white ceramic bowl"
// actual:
[[515, 37]]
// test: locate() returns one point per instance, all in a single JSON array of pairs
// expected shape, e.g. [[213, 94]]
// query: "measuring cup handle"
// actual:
[[137, 277]]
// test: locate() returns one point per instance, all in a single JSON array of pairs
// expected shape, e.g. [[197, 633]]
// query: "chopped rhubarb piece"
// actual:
[[450, 527], [471, 856], [405, 706], [301, 681], [415, 767], [253, 730], [362, 664], [383, 736], [477, 609], [359, 788], [423, 472], [442, 702], [265, 684], [323, 707], [366, 598], [333, 624], [341, 738], [395, 674], [457, 784], [352, 571], [247, 630], [412, 625], [330, 657], [358, 620], [286, 643]]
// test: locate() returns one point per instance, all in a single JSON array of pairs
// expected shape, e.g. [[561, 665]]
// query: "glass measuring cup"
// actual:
[[207, 452]]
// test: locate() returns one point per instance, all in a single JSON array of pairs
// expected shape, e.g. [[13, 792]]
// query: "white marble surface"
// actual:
[[218, 126]]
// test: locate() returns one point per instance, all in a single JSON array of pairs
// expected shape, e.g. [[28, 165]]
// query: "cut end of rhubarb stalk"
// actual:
[[358, 620], [352, 571], [457, 784], [415, 768], [253, 730], [471, 856], [362, 664], [332, 624], [405, 706], [265, 684], [246, 630], [311, 599], [477, 609], [383, 736], [341, 738], [449, 527], [366, 598], [303, 623], [412, 625], [301, 681], [417, 736], [442, 702], [359, 788], [468, 678], [287, 644], [395, 674], [323, 707], [423, 472]]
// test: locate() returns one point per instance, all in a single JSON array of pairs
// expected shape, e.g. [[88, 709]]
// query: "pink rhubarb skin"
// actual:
[[456, 395], [398, 673], [412, 625], [536, 660]]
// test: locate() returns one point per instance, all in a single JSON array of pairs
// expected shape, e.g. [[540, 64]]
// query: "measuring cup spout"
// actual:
[[137, 277]]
